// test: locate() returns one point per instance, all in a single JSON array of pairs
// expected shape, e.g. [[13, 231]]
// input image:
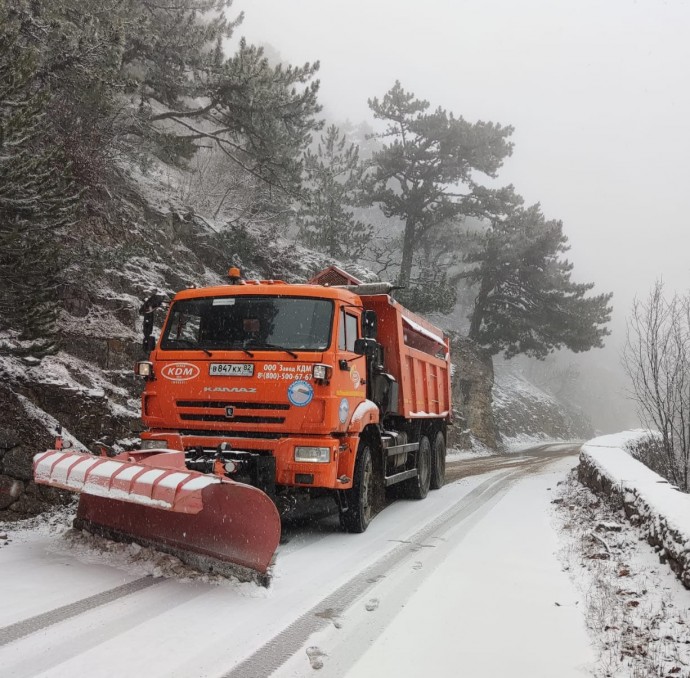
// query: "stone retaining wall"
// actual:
[[648, 500]]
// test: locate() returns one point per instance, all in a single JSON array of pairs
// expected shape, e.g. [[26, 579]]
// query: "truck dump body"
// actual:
[[416, 354]]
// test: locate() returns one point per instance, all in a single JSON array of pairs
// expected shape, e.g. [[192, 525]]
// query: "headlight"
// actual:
[[154, 444], [321, 372], [144, 369], [313, 454]]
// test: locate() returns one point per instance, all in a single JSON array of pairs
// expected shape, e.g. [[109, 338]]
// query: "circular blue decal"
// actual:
[[300, 393]]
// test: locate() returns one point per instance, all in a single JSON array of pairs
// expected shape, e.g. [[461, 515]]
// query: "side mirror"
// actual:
[[147, 308], [149, 343], [366, 347], [369, 324], [148, 327]]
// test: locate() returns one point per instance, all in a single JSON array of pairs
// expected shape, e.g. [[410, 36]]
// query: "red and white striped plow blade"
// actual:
[[170, 489], [205, 520]]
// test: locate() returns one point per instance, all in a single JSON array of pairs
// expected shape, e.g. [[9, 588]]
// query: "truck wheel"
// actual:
[[418, 487], [438, 462], [360, 499]]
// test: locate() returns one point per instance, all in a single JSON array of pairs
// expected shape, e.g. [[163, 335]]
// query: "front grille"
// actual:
[[207, 410], [221, 404], [213, 450], [201, 433], [237, 419]]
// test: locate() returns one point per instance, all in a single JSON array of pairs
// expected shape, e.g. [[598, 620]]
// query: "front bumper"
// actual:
[[334, 474]]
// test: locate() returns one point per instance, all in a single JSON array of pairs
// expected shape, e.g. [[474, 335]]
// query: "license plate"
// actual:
[[231, 369]]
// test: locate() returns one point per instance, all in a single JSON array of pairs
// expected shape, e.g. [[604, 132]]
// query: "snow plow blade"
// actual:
[[211, 523]]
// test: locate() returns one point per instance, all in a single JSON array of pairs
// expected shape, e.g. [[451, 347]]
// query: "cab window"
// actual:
[[249, 321], [347, 331]]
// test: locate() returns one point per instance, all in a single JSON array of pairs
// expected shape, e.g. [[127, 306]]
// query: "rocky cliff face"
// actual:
[[20, 437], [523, 410], [494, 406], [472, 384]]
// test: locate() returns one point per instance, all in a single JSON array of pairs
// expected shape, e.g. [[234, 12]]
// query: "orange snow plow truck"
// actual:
[[260, 395]]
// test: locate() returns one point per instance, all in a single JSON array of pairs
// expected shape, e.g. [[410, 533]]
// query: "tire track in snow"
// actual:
[[31, 625], [359, 637], [463, 468], [283, 646], [342, 651]]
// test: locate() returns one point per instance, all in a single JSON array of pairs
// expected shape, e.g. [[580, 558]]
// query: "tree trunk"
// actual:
[[479, 309], [332, 230], [407, 252]]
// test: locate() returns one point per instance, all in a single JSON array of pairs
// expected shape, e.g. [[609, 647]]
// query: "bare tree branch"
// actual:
[[656, 358]]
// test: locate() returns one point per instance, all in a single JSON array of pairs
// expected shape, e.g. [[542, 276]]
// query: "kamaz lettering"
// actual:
[[226, 389]]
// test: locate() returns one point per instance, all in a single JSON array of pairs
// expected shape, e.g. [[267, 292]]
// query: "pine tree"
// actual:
[[428, 155], [86, 85], [264, 116], [37, 199], [79, 46], [140, 77], [333, 177], [526, 301]]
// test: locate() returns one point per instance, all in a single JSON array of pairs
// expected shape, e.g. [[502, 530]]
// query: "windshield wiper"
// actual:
[[192, 344], [255, 343]]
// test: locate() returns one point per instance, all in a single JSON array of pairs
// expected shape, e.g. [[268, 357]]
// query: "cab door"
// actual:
[[350, 370]]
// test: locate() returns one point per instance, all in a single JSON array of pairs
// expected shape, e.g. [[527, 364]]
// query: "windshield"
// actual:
[[235, 323]]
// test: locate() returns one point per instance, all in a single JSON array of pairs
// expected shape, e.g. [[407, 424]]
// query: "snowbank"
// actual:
[[661, 511]]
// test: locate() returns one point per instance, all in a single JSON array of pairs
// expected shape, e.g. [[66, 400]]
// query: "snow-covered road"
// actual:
[[464, 583]]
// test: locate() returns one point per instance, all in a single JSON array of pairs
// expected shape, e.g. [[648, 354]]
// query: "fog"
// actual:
[[597, 92]]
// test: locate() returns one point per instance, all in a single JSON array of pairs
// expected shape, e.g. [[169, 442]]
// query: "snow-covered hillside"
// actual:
[[525, 412]]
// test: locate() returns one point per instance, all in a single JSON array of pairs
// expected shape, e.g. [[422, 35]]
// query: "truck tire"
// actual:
[[418, 487], [438, 462], [360, 499]]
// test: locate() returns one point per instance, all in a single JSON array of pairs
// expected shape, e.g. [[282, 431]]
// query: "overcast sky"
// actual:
[[598, 93]]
